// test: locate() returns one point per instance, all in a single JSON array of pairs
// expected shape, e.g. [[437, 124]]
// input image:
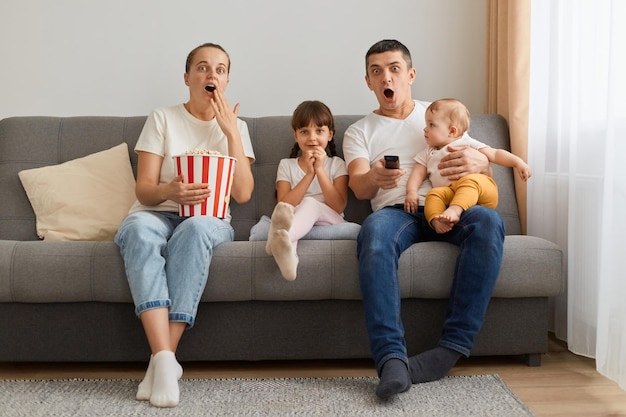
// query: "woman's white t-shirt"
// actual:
[[173, 131]]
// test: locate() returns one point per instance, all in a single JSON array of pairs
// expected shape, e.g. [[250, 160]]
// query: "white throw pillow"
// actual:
[[83, 199]]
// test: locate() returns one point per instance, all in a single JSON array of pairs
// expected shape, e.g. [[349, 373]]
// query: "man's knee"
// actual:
[[485, 218]]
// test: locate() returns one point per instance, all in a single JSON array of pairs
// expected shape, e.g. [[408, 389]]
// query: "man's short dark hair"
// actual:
[[387, 45]]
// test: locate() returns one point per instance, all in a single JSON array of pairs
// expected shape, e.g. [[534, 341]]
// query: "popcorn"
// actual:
[[214, 169], [203, 152]]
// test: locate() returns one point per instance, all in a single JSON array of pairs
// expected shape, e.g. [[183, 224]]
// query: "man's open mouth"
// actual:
[[388, 93]]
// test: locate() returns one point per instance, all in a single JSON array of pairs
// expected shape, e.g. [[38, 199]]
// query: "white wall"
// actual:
[[126, 57]]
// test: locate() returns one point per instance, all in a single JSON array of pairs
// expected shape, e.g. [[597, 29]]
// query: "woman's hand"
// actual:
[[225, 116], [188, 194]]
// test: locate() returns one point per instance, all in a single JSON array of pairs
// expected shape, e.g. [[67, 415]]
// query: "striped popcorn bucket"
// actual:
[[214, 170]]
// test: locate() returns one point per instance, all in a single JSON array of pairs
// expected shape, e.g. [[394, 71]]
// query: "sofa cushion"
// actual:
[[56, 272], [82, 199]]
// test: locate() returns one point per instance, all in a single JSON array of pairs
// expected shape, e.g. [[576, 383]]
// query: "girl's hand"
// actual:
[[319, 155], [308, 158]]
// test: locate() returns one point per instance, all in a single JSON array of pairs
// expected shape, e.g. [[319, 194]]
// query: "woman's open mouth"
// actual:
[[209, 88]]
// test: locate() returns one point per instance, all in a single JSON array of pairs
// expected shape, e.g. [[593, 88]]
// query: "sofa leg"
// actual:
[[532, 359]]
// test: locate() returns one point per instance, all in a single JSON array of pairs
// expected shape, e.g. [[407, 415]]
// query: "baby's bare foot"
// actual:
[[452, 214], [441, 224]]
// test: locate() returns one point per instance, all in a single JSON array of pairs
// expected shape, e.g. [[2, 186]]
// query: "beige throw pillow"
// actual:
[[83, 199]]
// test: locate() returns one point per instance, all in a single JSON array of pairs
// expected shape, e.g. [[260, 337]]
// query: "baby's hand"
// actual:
[[524, 172], [411, 202]]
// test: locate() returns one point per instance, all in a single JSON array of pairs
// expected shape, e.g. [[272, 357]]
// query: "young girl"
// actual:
[[312, 189]]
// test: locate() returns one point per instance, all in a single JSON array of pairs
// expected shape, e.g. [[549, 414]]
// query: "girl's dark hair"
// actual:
[[204, 45], [317, 112]]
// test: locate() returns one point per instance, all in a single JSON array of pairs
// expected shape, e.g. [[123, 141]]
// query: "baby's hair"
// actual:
[[456, 112], [317, 112]]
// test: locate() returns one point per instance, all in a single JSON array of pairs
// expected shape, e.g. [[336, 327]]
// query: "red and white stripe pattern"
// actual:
[[214, 170]]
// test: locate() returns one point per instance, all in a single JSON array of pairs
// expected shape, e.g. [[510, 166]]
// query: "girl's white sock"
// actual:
[[284, 255], [282, 217]]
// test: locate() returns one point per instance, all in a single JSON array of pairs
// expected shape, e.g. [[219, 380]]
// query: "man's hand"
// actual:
[[462, 161], [385, 178]]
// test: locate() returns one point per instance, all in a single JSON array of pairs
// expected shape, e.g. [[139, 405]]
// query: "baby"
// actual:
[[447, 121]]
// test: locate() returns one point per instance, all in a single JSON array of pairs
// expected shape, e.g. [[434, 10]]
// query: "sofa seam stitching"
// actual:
[[59, 139], [12, 274], [125, 131], [252, 272], [92, 269], [332, 270]]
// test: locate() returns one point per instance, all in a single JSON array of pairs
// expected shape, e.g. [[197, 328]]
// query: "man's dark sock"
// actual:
[[433, 364], [394, 379]]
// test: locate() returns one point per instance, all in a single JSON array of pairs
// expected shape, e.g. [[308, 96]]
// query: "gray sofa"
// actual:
[[69, 301]]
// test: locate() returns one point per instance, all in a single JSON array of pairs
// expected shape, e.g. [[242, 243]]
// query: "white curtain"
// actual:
[[577, 149]]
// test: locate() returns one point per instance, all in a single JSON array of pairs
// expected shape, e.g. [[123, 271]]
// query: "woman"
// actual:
[[167, 256]]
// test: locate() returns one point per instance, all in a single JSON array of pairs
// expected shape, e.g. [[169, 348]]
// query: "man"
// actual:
[[396, 128]]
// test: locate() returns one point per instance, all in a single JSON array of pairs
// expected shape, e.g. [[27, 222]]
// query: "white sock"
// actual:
[[282, 218], [145, 387], [167, 372], [284, 255]]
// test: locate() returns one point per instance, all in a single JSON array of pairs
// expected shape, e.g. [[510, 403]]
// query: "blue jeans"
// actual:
[[167, 259], [388, 232]]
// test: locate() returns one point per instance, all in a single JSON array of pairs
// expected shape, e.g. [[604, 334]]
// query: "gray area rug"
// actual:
[[484, 396]]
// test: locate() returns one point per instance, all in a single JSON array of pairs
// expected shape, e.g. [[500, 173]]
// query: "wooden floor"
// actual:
[[565, 385]]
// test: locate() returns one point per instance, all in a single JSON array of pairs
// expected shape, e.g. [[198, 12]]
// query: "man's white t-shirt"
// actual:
[[290, 171], [173, 131], [375, 136]]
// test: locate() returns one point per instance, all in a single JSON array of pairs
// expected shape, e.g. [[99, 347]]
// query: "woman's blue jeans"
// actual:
[[167, 259], [388, 232]]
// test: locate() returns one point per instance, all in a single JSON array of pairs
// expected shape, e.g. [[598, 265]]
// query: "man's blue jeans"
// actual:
[[388, 232], [167, 259]]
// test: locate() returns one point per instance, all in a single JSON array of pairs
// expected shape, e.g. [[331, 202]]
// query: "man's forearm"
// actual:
[[363, 187]]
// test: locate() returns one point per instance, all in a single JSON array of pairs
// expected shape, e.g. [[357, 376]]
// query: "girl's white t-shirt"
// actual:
[[290, 171]]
